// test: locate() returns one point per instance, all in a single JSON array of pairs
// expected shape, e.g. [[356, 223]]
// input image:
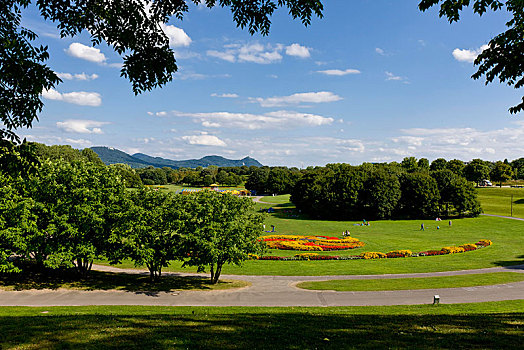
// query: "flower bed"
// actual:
[[378, 255], [310, 243], [373, 255], [399, 254]]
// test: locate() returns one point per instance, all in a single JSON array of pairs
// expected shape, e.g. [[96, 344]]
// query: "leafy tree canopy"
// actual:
[[218, 229], [131, 27]]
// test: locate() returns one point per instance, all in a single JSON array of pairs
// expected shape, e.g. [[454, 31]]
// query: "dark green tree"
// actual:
[[279, 181], [63, 215], [445, 179], [380, 195], [476, 171], [501, 172], [503, 58], [257, 180], [518, 168], [409, 164], [423, 165], [218, 229], [438, 164], [464, 197], [456, 166], [147, 233], [419, 197]]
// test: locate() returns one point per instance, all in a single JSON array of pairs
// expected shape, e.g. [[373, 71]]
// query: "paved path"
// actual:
[[274, 291], [505, 217]]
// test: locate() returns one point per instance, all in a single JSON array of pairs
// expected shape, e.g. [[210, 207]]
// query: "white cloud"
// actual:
[[226, 56], [225, 95], [468, 55], [258, 53], [391, 76], [177, 36], [87, 53], [81, 98], [339, 72], [306, 97], [78, 142], [81, 126], [158, 114], [277, 119], [380, 51], [57, 140], [80, 76], [204, 140], [254, 53], [462, 143], [298, 51], [207, 124]]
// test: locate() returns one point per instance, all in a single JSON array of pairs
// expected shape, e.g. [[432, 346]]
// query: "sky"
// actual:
[[372, 81]]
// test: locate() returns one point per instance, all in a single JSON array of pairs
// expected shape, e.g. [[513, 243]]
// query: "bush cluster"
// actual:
[[383, 191]]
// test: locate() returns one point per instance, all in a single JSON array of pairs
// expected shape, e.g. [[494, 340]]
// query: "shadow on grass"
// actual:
[[297, 330], [519, 201], [512, 264], [98, 280]]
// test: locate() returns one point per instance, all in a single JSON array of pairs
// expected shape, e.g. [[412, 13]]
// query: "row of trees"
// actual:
[[342, 191], [67, 214]]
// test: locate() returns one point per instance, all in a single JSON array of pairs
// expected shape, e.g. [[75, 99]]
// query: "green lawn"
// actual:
[[484, 325], [498, 201], [485, 279], [281, 199], [384, 236], [387, 235]]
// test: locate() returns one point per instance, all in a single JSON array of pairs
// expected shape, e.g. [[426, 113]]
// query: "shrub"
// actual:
[[373, 255], [306, 256], [431, 253], [399, 254], [452, 250], [468, 247], [484, 242]]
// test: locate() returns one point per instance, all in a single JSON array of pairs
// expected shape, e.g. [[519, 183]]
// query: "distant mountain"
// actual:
[[140, 160]]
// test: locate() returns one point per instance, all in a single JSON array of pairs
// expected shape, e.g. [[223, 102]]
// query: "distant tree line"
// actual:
[[224, 176], [384, 191]]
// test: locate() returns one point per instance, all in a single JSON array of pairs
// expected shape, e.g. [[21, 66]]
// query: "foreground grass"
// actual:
[[415, 283], [498, 201], [98, 280], [483, 325]]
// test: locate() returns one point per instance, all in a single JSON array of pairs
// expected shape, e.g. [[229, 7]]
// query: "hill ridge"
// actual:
[[110, 155]]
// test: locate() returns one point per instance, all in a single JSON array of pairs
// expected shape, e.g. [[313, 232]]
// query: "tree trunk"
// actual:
[[211, 267], [217, 273]]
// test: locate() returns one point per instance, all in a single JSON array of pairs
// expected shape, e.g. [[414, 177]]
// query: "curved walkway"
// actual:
[[504, 217], [274, 291]]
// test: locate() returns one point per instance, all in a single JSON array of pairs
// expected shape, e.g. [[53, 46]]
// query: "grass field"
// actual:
[[498, 201], [385, 236], [485, 279], [484, 325]]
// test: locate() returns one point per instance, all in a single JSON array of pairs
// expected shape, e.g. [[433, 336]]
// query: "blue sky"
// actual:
[[371, 81]]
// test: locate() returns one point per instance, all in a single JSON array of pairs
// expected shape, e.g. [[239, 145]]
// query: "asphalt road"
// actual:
[[274, 291]]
